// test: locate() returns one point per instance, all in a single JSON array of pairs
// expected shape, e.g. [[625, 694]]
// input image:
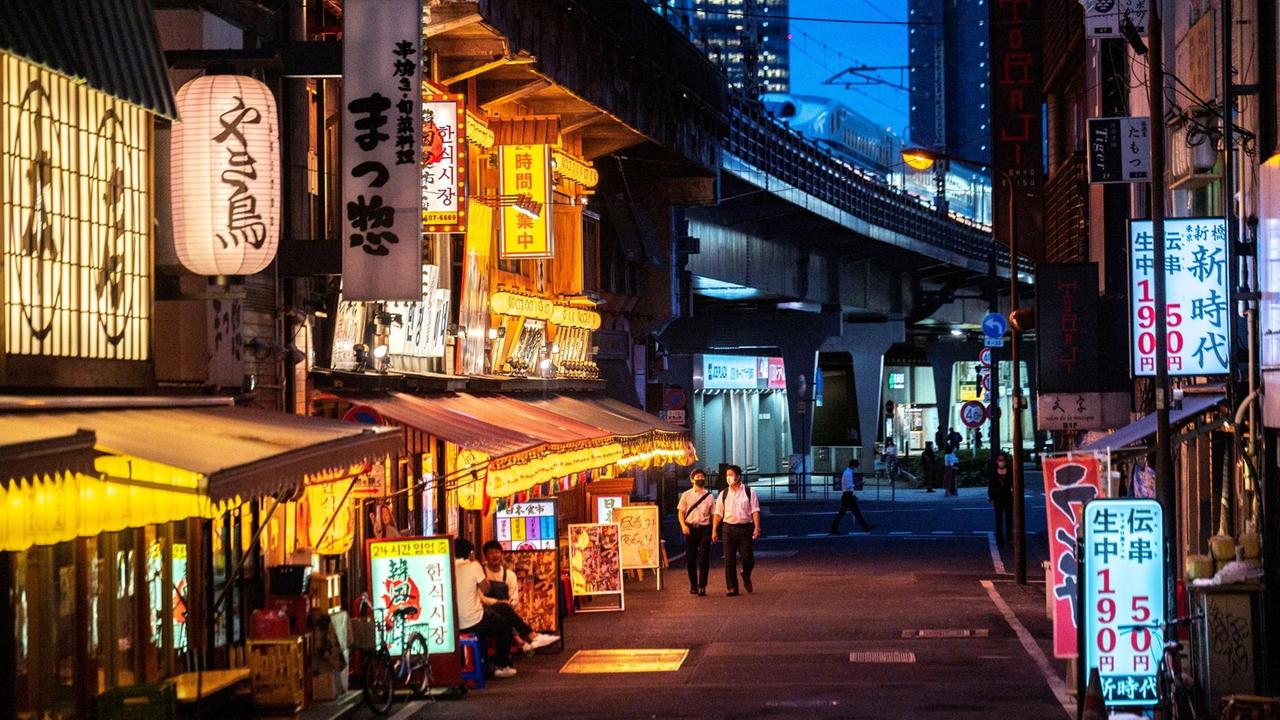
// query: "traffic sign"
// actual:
[[993, 342], [984, 356], [986, 382], [994, 325], [973, 414]]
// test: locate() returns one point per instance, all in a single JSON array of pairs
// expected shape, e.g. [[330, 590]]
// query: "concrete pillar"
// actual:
[[867, 344]]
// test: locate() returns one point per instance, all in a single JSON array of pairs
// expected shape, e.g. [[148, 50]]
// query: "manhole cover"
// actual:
[[882, 657], [625, 661], [946, 633]]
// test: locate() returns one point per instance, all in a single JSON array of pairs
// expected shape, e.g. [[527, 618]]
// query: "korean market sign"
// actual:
[[526, 526], [525, 180], [1198, 310], [414, 573], [444, 186], [1070, 482], [381, 150], [1124, 597]]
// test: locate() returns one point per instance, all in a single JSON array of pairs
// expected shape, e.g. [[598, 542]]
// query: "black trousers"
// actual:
[[1004, 522], [849, 503], [494, 628], [738, 541], [510, 615], [697, 554]]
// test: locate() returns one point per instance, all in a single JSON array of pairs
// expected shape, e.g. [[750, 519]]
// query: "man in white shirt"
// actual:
[[849, 501], [738, 512], [473, 616], [694, 511]]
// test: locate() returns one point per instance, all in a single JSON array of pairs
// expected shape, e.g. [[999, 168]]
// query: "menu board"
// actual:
[[595, 562], [638, 526], [605, 505], [414, 573], [539, 578], [526, 526]]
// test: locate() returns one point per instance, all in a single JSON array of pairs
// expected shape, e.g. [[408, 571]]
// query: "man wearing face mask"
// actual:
[[738, 511], [694, 512]]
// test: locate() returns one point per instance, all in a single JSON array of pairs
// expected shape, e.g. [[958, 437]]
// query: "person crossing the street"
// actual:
[[738, 513], [849, 482], [694, 511]]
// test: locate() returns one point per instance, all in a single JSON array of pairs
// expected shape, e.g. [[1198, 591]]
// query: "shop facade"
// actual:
[[740, 412]]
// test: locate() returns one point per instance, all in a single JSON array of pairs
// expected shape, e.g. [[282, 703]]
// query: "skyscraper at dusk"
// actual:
[[947, 44], [745, 38]]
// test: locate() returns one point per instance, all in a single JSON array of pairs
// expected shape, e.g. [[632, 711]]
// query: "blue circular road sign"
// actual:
[[994, 325]]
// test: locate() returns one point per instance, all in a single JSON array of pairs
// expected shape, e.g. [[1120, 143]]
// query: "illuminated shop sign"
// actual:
[[739, 372], [412, 590], [525, 172], [444, 167]]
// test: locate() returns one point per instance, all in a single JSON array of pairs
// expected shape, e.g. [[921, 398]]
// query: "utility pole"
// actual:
[[1015, 405], [1166, 490]]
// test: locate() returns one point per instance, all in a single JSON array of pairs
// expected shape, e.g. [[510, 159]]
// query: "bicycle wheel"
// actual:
[[379, 682], [418, 677]]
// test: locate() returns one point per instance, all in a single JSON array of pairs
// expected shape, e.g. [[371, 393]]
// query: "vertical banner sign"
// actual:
[[1119, 149], [1269, 282], [1197, 310], [595, 560], [639, 527], [526, 526], [1066, 327], [444, 167], [1124, 597], [381, 149], [525, 181], [414, 573], [1070, 482], [1016, 134]]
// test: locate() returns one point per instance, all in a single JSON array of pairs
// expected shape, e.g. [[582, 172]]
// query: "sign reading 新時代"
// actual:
[[1070, 482], [1124, 597], [381, 150], [526, 526], [415, 573], [1197, 309], [525, 172]]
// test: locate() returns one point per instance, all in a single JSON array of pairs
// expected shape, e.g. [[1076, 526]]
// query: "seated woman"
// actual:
[[500, 592]]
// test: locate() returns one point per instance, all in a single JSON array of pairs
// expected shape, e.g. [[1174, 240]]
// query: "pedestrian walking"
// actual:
[[929, 464], [738, 512], [849, 482], [890, 459], [1000, 495], [951, 466], [694, 511], [953, 440]]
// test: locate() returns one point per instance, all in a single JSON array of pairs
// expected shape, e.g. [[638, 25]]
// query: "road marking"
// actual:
[[674, 558], [1055, 683], [900, 532], [818, 535], [882, 657], [943, 532], [408, 710], [997, 562]]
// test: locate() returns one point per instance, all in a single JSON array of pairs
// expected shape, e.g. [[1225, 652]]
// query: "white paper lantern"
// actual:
[[225, 175]]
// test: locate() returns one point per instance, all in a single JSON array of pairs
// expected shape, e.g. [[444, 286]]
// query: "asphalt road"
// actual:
[[825, 635]]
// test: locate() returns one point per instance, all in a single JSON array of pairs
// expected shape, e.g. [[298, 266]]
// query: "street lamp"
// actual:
[[922, 159]]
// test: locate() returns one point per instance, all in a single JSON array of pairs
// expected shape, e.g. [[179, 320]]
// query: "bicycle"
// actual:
[[382, 670], [1180, 699]]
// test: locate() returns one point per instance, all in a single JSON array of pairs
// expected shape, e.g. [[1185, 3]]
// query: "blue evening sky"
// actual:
[[822, 49]]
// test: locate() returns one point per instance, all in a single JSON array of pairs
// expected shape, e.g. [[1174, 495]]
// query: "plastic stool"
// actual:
[[472, 660]]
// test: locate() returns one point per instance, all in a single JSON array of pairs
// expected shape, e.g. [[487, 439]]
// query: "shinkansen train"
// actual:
[[854, 138]]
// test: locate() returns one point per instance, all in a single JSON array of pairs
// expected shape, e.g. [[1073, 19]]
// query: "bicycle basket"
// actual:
[[364, 635]]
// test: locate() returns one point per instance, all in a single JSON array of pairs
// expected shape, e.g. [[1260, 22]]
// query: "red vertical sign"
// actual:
[[1069, 482], [1016, 117]]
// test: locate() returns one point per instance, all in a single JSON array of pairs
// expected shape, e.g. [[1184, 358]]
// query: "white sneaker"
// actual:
[[526, 648], [504, 672], [544, 640]]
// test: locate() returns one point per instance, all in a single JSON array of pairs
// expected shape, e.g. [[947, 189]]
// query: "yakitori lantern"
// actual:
[[225, 174]]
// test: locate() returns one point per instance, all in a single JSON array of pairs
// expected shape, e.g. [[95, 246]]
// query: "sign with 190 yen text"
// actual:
[[1124, 597]]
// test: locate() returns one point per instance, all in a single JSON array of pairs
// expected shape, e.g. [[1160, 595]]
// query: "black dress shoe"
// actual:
[[746, 583], [702, 591], [693, 591], [731, 593]]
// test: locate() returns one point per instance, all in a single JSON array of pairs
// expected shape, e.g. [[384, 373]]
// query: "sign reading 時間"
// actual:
[[1070, 482], [525, 173], [526, 526], [414, 573], [1124, 597], [1197, 309]]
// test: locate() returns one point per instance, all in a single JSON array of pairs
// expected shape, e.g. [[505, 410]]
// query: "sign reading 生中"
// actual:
[[1197, 309], [444, 186], [638, 525], [1070, 482], [1124, 597], [381, 149], [1119, 149], [525, 179], [526, 526], [414, 573]]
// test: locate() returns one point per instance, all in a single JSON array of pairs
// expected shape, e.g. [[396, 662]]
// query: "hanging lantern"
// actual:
[[225, 174]]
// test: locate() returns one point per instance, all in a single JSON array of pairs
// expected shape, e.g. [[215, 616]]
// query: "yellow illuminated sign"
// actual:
[[526, 172], [505, 303], [575, 317], [75, 218]]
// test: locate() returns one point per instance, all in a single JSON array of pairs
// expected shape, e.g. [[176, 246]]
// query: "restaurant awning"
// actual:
[[31, 451], [163, 459], [1145, 426], [647, 439]]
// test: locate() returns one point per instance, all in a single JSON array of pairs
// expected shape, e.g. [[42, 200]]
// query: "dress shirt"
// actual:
[[848, 481], [700, 515], [734, 507]]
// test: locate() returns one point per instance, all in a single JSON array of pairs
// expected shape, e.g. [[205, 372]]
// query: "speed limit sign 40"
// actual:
[[973, 414]]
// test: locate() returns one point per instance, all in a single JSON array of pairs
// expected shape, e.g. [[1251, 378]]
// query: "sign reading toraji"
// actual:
[[381, 149], [414, 574], [1197, 311], [1124, 597]]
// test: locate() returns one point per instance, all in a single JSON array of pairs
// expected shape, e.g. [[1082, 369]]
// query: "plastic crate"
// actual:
[[279, 672], [150, 701]]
